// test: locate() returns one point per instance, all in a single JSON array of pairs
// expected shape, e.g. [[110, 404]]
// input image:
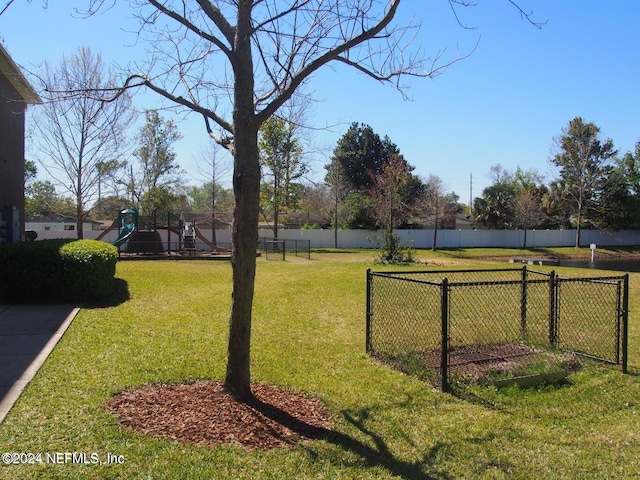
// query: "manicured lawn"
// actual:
[[308, 336]]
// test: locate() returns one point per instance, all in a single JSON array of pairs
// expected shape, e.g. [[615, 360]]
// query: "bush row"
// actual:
[[57, 271]]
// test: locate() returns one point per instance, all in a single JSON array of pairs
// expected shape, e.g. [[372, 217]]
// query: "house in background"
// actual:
[[15, 94], [203, 220], [55, 223]]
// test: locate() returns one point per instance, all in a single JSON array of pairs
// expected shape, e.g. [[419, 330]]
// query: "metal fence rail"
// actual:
[[278, 249], [298, 247], [273, 249], [486, 324]]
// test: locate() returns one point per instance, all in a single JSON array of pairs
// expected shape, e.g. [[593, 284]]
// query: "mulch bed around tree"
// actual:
[[203, 413]]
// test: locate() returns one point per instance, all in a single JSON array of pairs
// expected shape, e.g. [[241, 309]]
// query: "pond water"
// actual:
[[628, 265]]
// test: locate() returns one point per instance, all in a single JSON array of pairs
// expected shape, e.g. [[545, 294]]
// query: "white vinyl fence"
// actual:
[[416, 238], [464, 238]]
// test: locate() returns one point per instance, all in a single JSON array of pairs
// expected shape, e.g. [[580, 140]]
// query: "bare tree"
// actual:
[[338, 183], [236, 62], [109, 178], [213, 168], [81, 138], [391, 206], [432, 202], [528, 212], [316, 200]]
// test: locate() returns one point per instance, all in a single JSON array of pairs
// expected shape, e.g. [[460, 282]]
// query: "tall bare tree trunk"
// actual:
[[79, 212], [246, 184], [246, 188]]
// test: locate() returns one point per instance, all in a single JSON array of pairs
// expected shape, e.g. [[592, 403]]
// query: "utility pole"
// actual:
[[470, 193]]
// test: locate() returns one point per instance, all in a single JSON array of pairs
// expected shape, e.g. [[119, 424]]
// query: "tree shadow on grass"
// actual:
[[374, 456]]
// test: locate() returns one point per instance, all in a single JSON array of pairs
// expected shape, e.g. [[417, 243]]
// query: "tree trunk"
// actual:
[[335, 223], [246, 189], [434, 241], [275, 221], [79, 219], [246, 184], [213, 211], [579, 222]]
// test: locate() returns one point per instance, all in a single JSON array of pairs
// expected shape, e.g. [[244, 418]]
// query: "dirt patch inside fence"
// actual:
[[499, 362], [487, 364]]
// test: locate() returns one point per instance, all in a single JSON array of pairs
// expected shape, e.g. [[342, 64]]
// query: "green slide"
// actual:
[[128, 222]]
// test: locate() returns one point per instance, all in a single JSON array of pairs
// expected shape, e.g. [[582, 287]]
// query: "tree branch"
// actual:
[[182, 20], [218, 19], [528, 16], [471, 3], [332, 54]]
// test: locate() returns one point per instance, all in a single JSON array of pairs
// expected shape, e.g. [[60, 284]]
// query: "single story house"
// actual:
[[53, 222]]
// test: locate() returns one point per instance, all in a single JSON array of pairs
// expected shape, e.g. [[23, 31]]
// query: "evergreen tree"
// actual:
[[158, 174], [362, 154], [282, 167], [583, 160]]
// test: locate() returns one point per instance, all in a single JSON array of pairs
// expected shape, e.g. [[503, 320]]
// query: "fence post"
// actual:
[[553, 313], [625, 321], [444, 354], [523, 306], [368, 320]]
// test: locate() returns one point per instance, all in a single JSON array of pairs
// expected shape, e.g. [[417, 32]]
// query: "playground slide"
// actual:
[[125, 233], [212, 246]]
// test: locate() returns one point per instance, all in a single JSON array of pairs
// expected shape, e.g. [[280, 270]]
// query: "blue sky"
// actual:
[[502, 105]]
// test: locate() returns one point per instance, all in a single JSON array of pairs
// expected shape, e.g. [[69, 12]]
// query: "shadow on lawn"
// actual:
[[119, 296], [378, 456]]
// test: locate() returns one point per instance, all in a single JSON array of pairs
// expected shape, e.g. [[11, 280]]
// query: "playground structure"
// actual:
[[127, 222], [155, 236]]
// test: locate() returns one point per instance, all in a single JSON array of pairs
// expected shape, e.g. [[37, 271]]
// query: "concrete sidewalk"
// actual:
[[28, 334]]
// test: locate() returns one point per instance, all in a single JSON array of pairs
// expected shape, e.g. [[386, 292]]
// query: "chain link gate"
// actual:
[[600, 305], [491, 325]]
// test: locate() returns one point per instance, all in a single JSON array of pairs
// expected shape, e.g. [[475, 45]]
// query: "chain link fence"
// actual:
[[272, 249], [493, 326], [279, 249]]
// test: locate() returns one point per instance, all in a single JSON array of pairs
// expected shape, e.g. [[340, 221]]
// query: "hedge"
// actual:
[[57, 271]]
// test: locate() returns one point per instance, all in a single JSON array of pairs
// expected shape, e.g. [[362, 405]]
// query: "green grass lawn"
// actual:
[[308, 336]]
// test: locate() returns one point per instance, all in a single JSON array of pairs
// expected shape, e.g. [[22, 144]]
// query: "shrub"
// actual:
[[30, 271], [89, 268], [393, 251], [57, 271]]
